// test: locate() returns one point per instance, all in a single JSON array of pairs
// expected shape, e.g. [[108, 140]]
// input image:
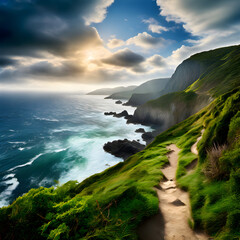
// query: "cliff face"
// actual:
[[139, 99], [186, 74], [170, 109], [199, 79]]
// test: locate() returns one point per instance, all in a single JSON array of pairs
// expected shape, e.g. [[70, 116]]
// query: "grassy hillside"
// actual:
[[222, 75], [110, 205], [220, 72], [205, 64]]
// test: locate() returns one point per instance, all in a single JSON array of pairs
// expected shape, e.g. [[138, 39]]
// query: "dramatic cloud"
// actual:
[[216, 23], [44, 25], [114, 43], [124, 58], [43, 29], [146, 40], [203, 17], [5, 62], [154, 26], [157, 61]]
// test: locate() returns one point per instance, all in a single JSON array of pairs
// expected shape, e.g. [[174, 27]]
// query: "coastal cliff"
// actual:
[[169, 109], [198, 81], [113, 204]]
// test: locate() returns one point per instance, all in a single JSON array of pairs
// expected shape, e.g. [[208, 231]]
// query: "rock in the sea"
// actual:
[[123, 114], [109, 113], [119, 115], [118, 102], [140, 130], [123, 148]]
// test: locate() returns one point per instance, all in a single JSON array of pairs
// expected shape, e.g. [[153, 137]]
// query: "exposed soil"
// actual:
[[174, 209]]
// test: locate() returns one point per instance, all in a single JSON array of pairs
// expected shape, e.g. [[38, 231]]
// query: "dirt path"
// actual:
[[172, 221], [194, 146], [174, 203]]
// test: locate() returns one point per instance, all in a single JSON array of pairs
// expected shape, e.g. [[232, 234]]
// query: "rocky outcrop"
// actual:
[[140, 130], [118, 102], [109, 113], [123, 148], [168, 110], [119, 115]]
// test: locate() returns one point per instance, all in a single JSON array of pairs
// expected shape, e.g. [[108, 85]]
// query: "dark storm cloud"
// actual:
[[124, 58], [43, 70], [4, 62], [29, 27]]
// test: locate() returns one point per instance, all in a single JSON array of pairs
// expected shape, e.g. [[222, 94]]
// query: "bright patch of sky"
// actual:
[[126, 18]]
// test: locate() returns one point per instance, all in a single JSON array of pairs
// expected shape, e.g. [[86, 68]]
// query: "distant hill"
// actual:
[[208, 67], [195, 83], [108, 91], [150, 86]]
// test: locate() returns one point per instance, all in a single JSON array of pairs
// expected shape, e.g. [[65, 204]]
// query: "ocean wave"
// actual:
[[8, 176], [47, 119], [60, 150], [25, 148], [61, 130], [26, 164], [12, 183], [21, 142]]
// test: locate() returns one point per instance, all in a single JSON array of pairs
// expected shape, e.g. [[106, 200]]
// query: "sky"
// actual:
[[81, 45]]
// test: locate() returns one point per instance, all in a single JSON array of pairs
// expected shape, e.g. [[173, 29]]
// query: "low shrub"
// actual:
[[213, 169]]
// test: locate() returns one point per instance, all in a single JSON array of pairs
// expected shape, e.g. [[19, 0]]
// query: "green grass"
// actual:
[[112, 204], [221, 74], [216, 203], [109, 205]]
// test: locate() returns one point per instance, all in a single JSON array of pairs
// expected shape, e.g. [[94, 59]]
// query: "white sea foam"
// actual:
[[8, 176], [25, 148], [60, 150], [28, 163], [20, 142], [47, 119], [12, 183]]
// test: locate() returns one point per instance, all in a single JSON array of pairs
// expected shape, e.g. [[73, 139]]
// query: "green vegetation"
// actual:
[[215, 197], [165, 101], [222, 73], [109, 205], [112, 204]]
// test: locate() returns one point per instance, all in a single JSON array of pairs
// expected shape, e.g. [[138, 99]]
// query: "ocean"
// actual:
[[50, 139]]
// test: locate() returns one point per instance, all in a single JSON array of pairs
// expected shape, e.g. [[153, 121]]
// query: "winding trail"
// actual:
[[174, 207], [194, 146], [174, 203]]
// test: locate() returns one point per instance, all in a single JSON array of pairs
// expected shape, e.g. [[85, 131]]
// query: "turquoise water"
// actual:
[[49, 138]]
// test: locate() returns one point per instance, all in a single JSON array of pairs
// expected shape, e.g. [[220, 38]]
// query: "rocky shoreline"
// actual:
[[123, 148]]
